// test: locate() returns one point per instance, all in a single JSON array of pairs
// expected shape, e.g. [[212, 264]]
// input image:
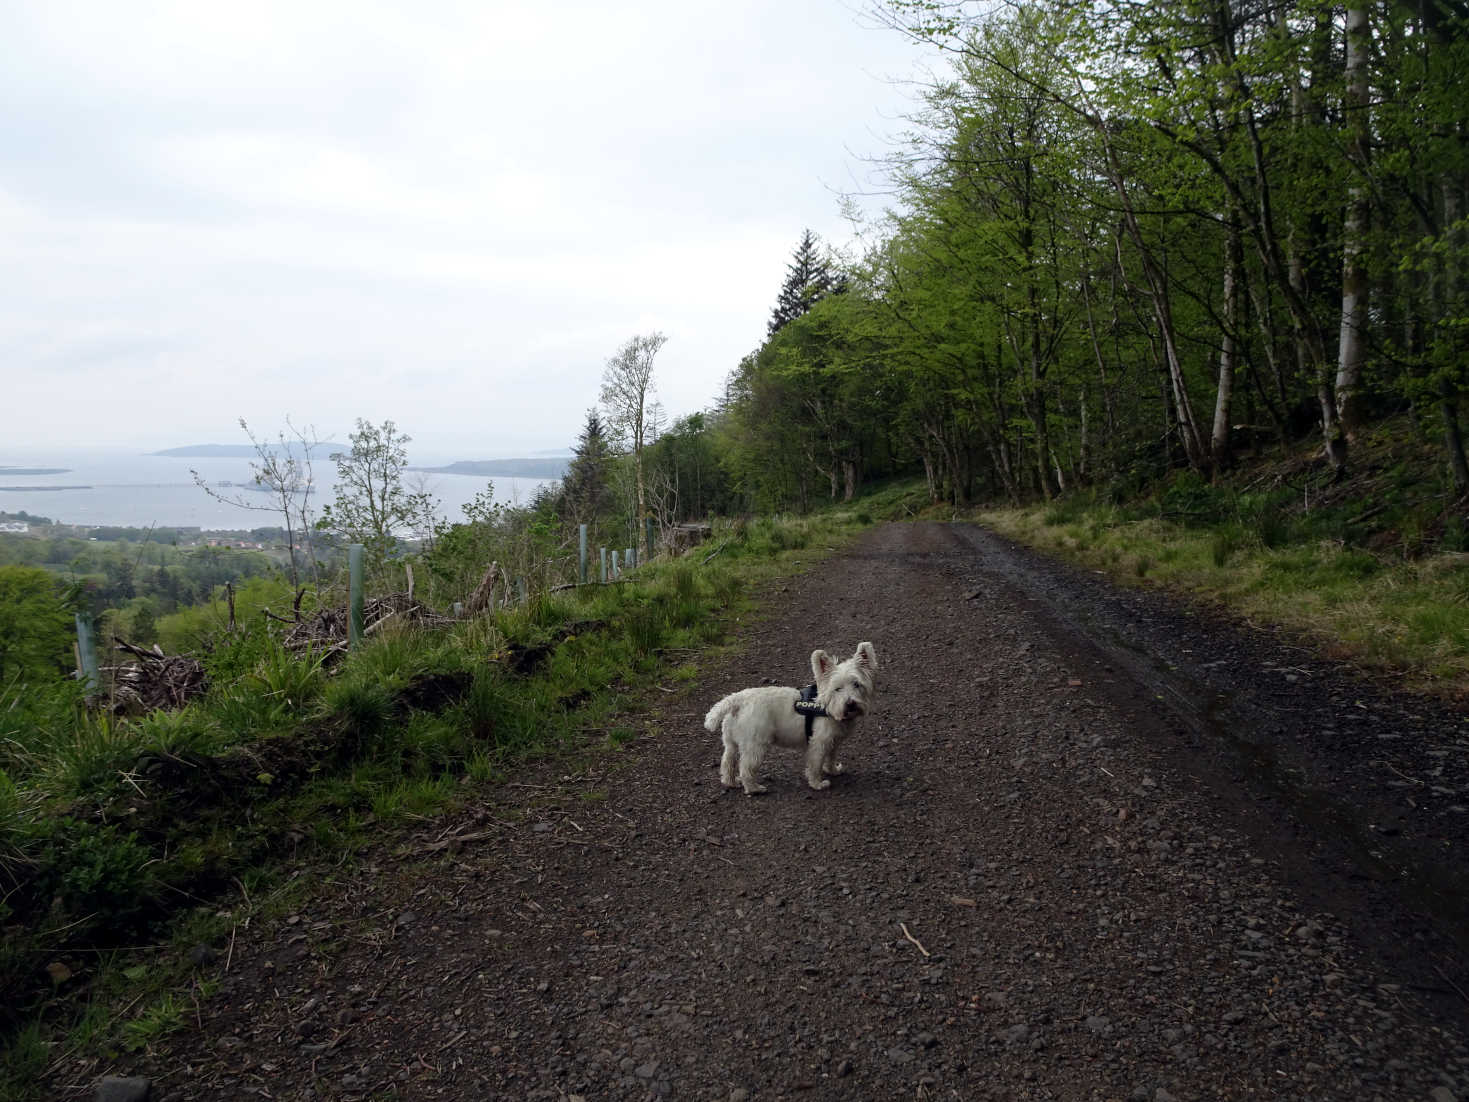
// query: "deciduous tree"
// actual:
[[373, 505], [627, 397]]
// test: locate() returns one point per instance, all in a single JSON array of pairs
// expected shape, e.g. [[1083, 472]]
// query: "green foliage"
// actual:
[[36, 624], [360, 701], [645, 627], [204, 629], [33, 720], [186, 731], [585, 496], [15, 837], [1088, 200], [163, 1017], [240, 708], [1225, 542], [294, 678], [25, 1059], [686, 480], [373, 502], [1190, 500], [96, 871], [87, 754], [810, 277]]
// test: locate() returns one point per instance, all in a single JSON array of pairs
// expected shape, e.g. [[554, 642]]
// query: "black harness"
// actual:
[[807, 706]]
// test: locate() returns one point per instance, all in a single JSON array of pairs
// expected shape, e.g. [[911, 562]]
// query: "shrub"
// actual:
[[295, 679], [84, 759], [96, 871], [1224, 543], [644, 627], [189, 730], [34, 717], [1191, 501], [361, 701]]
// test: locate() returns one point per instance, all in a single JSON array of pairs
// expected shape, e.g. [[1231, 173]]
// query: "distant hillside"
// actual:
[[240, 451], [550, 467]]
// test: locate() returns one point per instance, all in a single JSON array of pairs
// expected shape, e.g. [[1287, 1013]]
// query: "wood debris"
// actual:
[[158, 680]]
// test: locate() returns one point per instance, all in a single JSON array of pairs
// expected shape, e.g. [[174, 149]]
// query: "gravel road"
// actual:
[[1090, 846]]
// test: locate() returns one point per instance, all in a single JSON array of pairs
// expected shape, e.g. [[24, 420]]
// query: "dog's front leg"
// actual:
[[817, 754], [829, 764]]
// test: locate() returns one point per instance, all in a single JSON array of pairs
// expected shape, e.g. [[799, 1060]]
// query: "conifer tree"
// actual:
[[809, 279], [584, 492]]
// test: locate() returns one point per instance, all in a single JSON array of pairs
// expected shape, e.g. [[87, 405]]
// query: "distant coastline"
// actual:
[[544, 467], [128, 487], [10, 472], [510, 468]]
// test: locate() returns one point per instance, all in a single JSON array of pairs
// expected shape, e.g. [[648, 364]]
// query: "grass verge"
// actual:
[[1375, 576]]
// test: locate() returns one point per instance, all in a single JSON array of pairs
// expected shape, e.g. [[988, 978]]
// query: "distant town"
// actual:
[[181, 536]]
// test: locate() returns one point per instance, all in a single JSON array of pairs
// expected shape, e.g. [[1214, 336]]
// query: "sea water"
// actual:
[[129, 489]]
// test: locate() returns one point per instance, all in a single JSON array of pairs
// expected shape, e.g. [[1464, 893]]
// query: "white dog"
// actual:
[[751, 719]]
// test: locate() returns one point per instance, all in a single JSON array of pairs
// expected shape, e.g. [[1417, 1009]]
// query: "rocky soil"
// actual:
[[1091, 846]]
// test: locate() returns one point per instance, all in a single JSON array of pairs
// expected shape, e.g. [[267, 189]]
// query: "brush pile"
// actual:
[[158, 680], [326, 628]]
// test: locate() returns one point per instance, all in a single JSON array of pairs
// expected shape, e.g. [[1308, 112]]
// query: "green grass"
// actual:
[[163, 1016], [1250, 555]]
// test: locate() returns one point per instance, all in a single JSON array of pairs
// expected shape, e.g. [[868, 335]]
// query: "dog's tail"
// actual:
[[715, 719]]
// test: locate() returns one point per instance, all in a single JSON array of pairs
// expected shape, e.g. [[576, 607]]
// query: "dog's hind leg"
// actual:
[[727, 762], [751, 754]]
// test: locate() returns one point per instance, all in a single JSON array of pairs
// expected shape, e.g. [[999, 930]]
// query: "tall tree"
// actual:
[[809, 279], [1351, 347], [627, 396], [585, 495]]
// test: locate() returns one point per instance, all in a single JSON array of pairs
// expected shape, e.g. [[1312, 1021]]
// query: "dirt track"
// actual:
[[1088, 848]]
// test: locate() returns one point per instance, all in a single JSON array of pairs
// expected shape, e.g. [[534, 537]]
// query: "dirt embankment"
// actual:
[[1089, 848]]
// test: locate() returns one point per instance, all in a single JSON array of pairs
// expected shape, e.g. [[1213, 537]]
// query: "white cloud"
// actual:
[[448, 214]]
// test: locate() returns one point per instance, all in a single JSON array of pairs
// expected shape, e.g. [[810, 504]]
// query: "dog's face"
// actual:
[[846, 689]]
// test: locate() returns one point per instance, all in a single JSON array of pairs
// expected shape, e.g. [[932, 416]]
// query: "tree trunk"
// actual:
[[1354, 289], [1219, 439], [1157, 291], [1453, 437], [1450, 306]]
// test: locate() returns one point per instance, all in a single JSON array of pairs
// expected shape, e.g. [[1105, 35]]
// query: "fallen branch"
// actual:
[[1370, 513], [378, 623], [914, 940], [456, 839]]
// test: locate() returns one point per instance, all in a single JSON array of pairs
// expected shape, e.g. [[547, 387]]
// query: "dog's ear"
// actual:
[[866, 657], [821, 664]]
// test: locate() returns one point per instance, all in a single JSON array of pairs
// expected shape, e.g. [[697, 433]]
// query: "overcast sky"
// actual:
[[448, 214]]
